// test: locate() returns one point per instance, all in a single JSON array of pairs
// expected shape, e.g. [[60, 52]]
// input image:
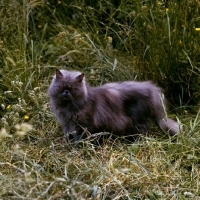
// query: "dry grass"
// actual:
[[40, 166]]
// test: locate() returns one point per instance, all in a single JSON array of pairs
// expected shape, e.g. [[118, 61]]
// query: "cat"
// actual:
[[117, 107]]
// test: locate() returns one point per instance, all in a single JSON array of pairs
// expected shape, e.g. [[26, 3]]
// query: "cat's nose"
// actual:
[[66, 91]]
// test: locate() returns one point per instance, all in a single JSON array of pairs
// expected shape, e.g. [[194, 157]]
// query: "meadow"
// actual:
[[108, 41]]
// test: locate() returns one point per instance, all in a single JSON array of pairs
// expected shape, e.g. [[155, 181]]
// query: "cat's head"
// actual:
[[68, 86]]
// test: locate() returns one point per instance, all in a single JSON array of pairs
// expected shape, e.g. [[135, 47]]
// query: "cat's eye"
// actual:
[[73, 89]]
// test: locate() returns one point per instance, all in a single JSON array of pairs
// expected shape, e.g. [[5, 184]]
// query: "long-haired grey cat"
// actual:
[[119, 107]]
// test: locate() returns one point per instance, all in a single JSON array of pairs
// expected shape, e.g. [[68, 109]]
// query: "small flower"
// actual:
[[12, 83], [159, 3], [4, 133], [39, 26], [109, 39], [8, 106], [26, 127], [18, 149], [143, 7], [133, 13], [167, 9], [197, 29], [7, 92], [36, 88], [59, 2], [26, 117], [22, 129], [20, 83], [3, 106], [189, 194], [21, 133], [4, 121], [45, 107]]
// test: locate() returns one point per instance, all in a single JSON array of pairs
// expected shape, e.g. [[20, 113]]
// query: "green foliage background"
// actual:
[[109, 41]]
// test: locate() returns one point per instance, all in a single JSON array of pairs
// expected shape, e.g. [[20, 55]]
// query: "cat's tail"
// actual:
[[168, 125], [165, 123]]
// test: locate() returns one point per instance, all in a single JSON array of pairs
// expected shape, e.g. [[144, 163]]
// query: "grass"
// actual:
[[120, 42], [41, 167]]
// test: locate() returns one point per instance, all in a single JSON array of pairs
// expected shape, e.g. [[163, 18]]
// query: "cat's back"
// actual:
[[118, 88]]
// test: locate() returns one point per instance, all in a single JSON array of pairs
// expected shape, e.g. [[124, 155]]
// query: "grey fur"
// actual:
[[120, 107]]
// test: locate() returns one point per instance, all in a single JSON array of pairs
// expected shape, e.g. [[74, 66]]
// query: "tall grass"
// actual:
[[160, 37], [109, 41], [169, 45]]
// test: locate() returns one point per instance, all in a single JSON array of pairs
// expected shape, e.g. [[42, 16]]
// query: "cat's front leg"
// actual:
[[70, 133]]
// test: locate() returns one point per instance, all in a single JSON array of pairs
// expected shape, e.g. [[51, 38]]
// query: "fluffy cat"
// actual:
[[119, 107]]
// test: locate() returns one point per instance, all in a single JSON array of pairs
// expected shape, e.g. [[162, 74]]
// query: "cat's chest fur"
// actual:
[[67, 111]]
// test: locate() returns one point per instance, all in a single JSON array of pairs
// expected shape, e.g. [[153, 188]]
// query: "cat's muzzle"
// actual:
[[66, 95]]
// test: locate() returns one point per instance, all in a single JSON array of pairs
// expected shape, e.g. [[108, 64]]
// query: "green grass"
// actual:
[[128, 41]]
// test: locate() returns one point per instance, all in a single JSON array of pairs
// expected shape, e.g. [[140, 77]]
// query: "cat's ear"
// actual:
[[80, 77], [59, 75]]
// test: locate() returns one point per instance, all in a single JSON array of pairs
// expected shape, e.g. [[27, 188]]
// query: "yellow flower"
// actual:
[[59, 2], [8, 107], [39, 26], [197, 29], [26, 117], [109, 39], [167, 9], [159, 3]]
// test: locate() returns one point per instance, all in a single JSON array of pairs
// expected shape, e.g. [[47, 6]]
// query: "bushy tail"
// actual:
[[165, 123], [168, 125]]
